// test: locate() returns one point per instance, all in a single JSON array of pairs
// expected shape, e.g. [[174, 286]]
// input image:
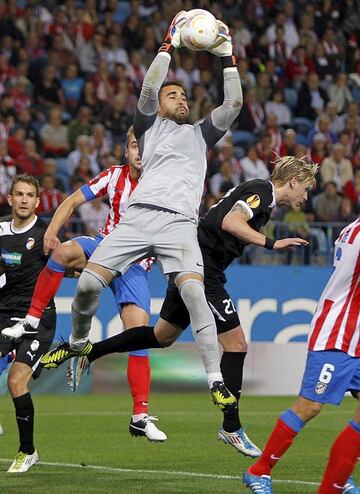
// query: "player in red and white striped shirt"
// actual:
[[332, 369], [131, 290]]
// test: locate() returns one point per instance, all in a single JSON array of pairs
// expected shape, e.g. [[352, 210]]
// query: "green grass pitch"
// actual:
[[85, 447]]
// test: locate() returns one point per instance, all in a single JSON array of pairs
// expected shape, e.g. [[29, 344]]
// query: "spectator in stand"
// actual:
[[272, 128], [319, 149], [247, 78], [83, 148], [323, 126], [47, 90], [72, 85], [30, 162], [136, 70], [277, 106], [34, 46], [89, 52], [116, 119], [306, 30], [352, 111], [326, 205], [100, 145], [312, 98], [93, 215], [16, 141], [50, 197], [336, 168], [20, 94], [7, 173], [332, 50], [89, 99], [223, 181], [83, 170], [252, 115], [188, 73], [298, 67], [353, 129], [263, 87], [81, 125], [284, 20], [344, 139], [288, 145], [339, 92], [114, 52], [227, 153], [265, 150], [241, 36], [199, 100], [298, 226], [104, 85], [252, 166], [346, 212], [324, 69], [54, 136], [336, 122], [50, 166], [280, 50]]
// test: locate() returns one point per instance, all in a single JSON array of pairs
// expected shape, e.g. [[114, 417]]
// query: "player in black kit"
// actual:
[[231, 224], [22, 259]]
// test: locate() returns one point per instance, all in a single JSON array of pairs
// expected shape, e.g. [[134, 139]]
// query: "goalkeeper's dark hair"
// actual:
[[25, 179], [172, 83]]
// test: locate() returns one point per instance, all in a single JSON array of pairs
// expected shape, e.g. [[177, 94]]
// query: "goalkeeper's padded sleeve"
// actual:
[[155, 76], [223, 116]]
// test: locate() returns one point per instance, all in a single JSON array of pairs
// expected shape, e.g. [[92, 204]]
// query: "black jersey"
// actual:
[[258, 197], [23, 258]]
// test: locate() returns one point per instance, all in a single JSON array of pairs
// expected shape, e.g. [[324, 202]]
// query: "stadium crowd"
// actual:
[[71, 73]]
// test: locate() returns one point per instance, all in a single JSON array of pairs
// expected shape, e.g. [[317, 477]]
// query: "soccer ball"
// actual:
[[199, 31]]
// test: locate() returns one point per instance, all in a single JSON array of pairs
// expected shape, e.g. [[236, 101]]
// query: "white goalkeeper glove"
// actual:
[[172, 38], [222, 46]]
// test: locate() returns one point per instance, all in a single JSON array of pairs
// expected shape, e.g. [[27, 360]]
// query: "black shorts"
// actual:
[[29, 348], [175, 312]]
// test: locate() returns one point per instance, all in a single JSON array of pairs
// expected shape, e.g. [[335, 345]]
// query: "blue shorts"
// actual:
[[132, 287], [328, 375]]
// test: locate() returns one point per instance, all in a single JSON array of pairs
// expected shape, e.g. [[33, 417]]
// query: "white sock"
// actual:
[[139, 416], [34, 321], [77, 343], [213, 377]]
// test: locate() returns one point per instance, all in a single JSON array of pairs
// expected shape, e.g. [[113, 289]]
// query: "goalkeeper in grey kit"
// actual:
[[162, 217]]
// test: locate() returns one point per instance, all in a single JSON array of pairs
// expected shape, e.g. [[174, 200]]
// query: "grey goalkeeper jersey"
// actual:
[[174, 155]]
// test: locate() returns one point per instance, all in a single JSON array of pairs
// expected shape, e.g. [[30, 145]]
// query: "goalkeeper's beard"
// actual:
[[181, 118]]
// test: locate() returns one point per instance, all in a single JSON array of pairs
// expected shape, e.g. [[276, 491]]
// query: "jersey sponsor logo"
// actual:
[[253, 201], [11, 258], [34, 345], [320, 388], [338, 253], [30, 243]]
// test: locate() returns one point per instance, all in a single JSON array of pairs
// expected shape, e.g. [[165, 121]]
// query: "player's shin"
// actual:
[[344, 455], [138, 374], [133, 339], [232, 364], [46, 287], [24, 410], [84, 306], [203, 327]]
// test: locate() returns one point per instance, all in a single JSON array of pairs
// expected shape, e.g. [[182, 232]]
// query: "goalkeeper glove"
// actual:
[[222, 46], [172, 39]]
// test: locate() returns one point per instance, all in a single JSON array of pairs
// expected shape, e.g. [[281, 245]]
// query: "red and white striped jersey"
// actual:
[[336, 323], [117, 184]]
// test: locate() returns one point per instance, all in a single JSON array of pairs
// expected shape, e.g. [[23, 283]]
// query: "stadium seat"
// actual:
[[290, 97], [302, 125], [243, 138]]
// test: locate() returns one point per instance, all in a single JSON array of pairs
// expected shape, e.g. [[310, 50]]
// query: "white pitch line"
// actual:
[[158, 472]]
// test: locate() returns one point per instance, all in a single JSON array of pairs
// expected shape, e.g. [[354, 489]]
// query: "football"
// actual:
[[199, 31]]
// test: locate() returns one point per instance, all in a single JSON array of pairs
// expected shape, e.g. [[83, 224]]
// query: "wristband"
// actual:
[[228, 61], [269, 243]]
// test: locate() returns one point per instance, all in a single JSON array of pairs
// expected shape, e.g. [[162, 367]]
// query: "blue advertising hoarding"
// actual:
[[275, 303]]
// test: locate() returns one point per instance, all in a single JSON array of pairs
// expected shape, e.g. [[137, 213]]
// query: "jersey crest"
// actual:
[[253, 201]]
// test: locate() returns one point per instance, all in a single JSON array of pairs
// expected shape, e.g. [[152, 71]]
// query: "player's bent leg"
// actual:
[[18, 380], [67, 255], [306, 409]]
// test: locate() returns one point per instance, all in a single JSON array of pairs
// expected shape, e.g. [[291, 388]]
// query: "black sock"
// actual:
[[132, 339], [232, 364], [24, 410]]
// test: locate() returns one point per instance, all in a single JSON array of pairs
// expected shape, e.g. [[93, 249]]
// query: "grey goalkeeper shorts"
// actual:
[[145, 232]]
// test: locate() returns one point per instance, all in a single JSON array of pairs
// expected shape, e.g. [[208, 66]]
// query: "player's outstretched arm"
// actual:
[[61, 215], [156, 74], [236, 223], [223, 116]]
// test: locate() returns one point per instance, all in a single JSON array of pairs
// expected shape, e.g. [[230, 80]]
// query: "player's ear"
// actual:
[[10, 199], [126, 153], [37, 202], [292, 182]]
